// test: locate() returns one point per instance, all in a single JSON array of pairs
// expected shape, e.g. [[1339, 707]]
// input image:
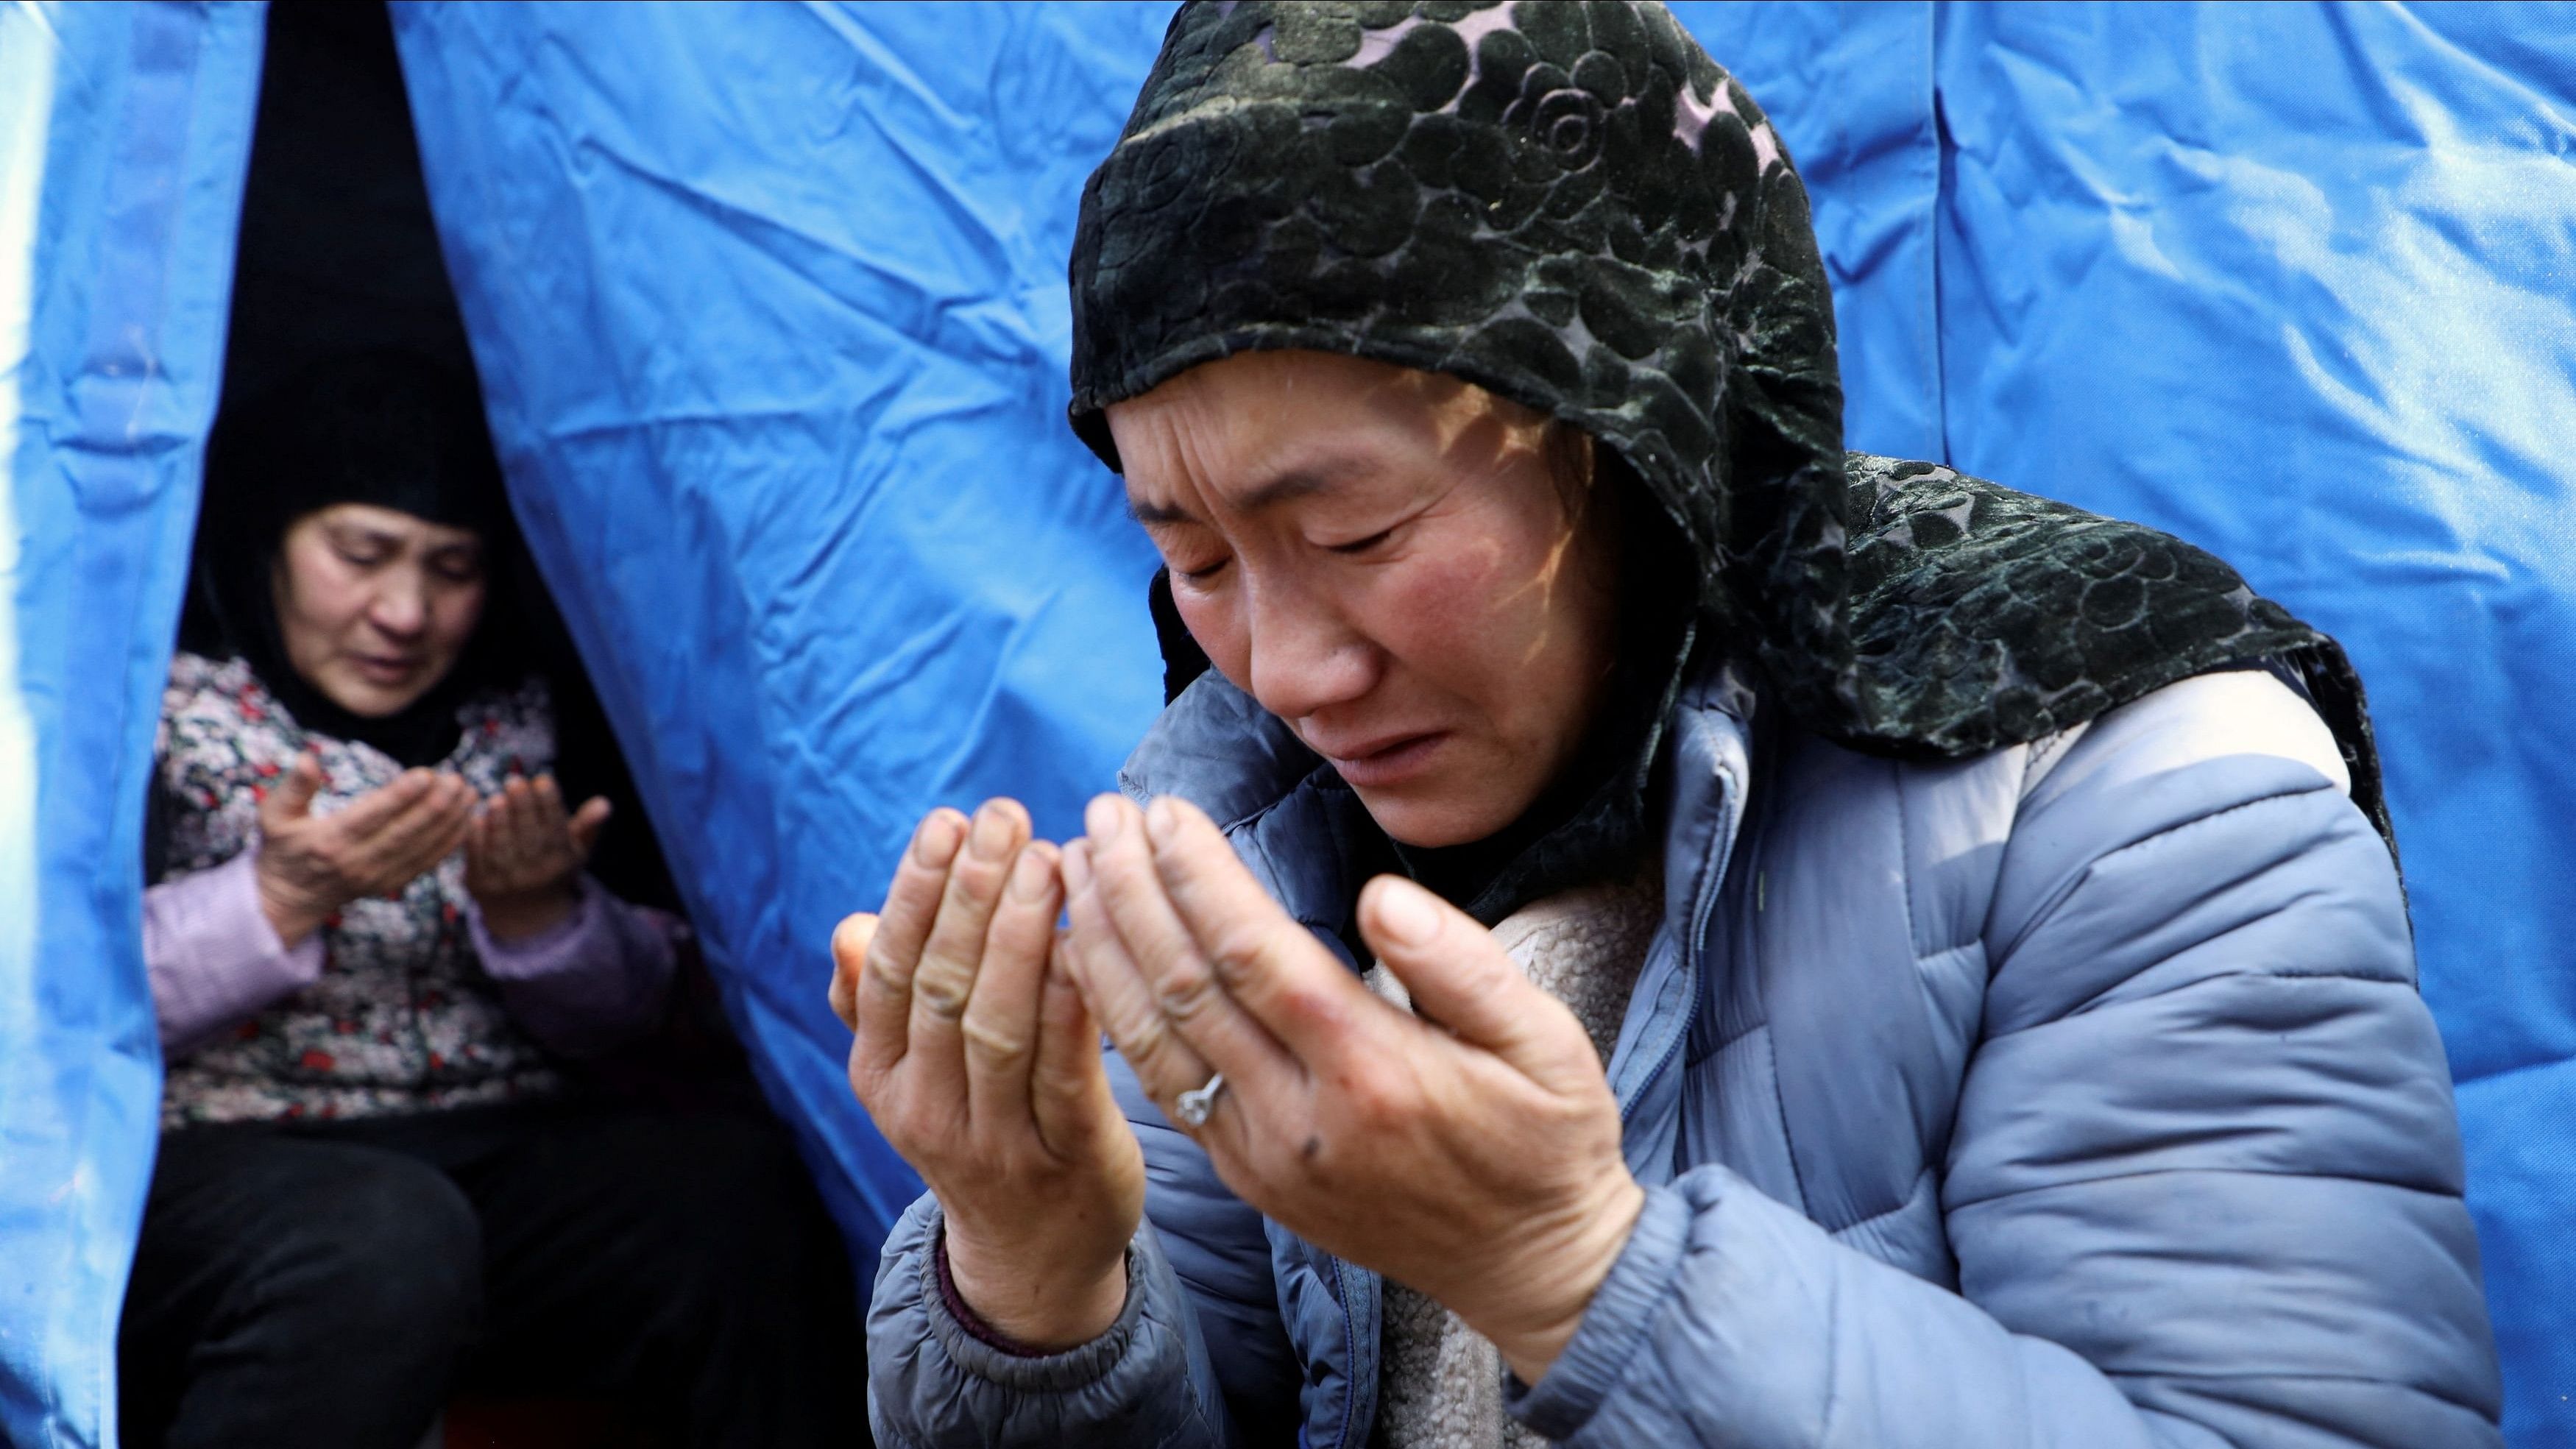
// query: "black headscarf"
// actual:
[[1573, 206], [394, 429]]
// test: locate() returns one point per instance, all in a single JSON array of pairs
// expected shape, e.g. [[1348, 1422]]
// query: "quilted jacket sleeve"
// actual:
[[2204, 1182], [1198, 1277]]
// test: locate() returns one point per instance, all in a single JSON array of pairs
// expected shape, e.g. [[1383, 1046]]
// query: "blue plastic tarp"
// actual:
[[124, 138], [770, 309], [772, 316]]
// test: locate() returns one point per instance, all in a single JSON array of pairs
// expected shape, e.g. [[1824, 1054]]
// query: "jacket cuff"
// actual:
[[1613, 1329], [989, 1355], [563, 947], [211, 955], [964, 1312]]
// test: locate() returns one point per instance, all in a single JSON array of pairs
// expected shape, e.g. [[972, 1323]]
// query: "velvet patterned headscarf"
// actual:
[[1572, 205]]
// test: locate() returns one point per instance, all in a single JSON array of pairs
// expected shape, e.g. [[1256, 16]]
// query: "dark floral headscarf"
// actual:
[[1573, 206]]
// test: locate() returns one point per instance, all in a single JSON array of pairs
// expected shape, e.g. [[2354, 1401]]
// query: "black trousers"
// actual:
[[330, 1285]]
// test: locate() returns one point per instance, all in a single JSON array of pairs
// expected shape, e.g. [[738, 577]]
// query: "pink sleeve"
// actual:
[[213, 958], [591, 984]]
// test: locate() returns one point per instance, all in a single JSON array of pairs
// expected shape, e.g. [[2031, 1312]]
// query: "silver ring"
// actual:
[[1193, 1107]]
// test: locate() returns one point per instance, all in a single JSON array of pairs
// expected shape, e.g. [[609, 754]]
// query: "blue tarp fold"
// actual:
[[772, 317]]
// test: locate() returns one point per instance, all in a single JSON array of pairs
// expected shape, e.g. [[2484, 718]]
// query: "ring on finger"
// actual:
[[1194, 1106]]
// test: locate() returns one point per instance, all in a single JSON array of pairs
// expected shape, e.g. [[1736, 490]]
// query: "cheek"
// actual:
[[321, 600], [1463, 616], [1522, 642], [1216, 626], [458, 610]]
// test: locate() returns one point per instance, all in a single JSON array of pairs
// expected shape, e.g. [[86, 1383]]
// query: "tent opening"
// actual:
[[338, 255]]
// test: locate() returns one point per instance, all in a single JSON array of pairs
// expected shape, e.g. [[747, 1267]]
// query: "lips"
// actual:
[[1383, 761], [385, 669]]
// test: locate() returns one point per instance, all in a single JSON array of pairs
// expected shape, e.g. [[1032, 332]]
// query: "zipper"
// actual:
[[1690, 949]]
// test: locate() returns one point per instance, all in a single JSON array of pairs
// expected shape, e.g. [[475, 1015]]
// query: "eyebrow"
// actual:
[[371, 534], [1282, 489]]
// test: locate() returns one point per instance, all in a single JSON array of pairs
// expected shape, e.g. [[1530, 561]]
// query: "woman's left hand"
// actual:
[[523, 855], [1476, 1159]]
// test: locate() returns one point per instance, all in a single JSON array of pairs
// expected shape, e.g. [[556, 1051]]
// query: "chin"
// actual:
[[1428, 818], [369, 701]]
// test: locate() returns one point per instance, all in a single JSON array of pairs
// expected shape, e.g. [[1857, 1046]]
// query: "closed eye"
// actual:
[[1363, 545]]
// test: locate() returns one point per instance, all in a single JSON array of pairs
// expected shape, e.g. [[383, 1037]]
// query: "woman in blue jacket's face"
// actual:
[[1414, 574]]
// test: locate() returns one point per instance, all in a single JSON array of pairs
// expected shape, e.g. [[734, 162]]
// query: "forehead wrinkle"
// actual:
[[1244, 477]]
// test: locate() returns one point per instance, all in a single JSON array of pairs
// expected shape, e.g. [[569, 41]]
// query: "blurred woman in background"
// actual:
[[373, 948]]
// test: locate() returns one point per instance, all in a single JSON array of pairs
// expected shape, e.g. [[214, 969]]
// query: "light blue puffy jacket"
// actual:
[[2077, 1096]]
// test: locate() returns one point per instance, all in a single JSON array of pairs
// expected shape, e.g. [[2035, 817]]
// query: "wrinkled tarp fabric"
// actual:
[[771, 310], [124, 137]]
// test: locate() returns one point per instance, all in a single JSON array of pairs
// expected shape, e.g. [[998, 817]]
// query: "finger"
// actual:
[[421, 835], [1001, 1022], [395, 874], [506, 827], [508, 808], [547, 800], [1461, 977], [377, 808], [954, 953], [378, 834], [1299, 992], [455, 818], [585, 824], [1117, 992], [1068, 1087], [849, 961], [531, 830], [894, 945], [487, 854], [293, 797], [1177, 963]]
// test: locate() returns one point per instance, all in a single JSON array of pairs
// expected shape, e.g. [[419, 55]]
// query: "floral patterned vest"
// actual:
[[404, 1018]]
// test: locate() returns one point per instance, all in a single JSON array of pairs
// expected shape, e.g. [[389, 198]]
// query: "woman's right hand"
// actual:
[[980, 1065], [311, 865]]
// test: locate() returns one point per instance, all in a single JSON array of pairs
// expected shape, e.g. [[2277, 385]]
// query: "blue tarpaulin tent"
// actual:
[[770, 312]]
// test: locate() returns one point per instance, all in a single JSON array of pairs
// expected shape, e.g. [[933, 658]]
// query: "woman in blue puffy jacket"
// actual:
[[1636, 927]]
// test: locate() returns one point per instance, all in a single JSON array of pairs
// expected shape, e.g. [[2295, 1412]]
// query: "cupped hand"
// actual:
[[311, 865], [524, 855], [978, 1062], [1471, 1152]]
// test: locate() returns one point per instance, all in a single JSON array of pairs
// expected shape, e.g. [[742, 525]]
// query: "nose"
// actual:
[[1304, 657], [401, 607]]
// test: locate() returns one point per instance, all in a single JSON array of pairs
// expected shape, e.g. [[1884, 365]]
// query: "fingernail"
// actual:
[[1077, 868], [992, 835], [1406, 912], [1104, 817], [1161, 819], [935, 843], [1029, 877]]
